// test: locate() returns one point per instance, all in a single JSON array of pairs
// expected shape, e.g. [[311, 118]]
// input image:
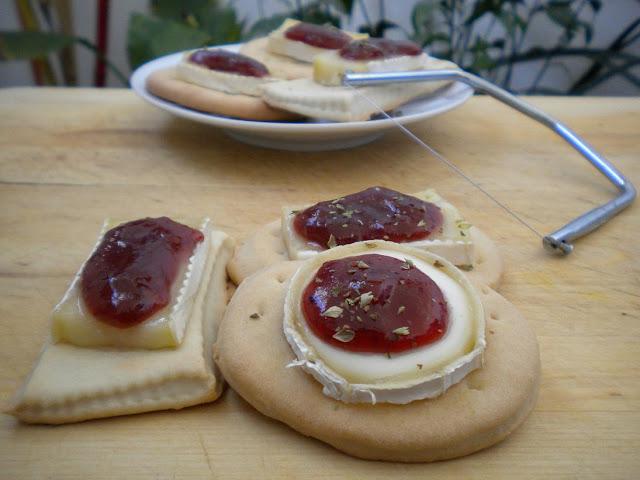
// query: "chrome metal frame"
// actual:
[[558, 242]]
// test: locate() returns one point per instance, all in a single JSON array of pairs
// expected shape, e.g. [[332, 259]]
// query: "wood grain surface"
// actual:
[[70, 157]]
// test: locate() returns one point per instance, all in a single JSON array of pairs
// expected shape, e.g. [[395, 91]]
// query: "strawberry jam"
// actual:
[[396, 48], [376, 213], [130, 275], [378, 48], [362, 50], [319, 36], [374, 303], [230, 62]]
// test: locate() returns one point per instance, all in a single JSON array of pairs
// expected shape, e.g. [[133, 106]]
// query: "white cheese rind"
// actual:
[[452, 242], [221, 81], [373, 368], [281, 45], [405, 381], [72, 323], [329, 68]]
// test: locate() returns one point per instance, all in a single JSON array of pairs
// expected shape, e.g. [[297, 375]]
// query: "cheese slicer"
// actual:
[[559, 241]]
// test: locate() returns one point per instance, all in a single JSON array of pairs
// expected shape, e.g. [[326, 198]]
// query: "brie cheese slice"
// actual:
[[280, 44], [221, 81], [73, 323], [330, 67], [453, 241], [400, 378]]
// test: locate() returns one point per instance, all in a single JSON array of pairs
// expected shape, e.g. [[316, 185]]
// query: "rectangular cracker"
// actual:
[[347, 104], [71, 384]]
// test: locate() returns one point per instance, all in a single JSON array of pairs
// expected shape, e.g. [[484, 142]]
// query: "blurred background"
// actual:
[[553, 47]]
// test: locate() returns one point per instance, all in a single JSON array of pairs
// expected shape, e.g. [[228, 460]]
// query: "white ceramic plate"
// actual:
[[302, 136]]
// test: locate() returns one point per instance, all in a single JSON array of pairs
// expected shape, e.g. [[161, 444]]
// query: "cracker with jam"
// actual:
[[135, 329], [424, 220]]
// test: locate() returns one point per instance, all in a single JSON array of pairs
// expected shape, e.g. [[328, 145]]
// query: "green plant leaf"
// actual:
[[498, 43], [26, 45], [588, 32], [317, 13], [221, 24], [377, 30], [148, 38], [482, 61], [560, 13], [179, 11], [423, 21], [421, 15], [595, 5], [481, 58], [344, 6], [265, 25], [512, 21], [482, 7]]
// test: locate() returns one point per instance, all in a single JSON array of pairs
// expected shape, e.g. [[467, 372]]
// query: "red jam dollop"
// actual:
[[396, 48], [376, 213], [378, 48], [374, 303], [320, 36], [362, 50], [130, 275], [230, 62]]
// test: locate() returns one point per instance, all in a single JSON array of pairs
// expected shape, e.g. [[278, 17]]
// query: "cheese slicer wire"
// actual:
[[559, 241]]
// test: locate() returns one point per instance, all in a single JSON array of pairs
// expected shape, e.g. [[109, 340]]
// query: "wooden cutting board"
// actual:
[[70, 157]]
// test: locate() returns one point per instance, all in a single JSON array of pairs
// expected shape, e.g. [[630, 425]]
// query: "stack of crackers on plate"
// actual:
[[295, 73]]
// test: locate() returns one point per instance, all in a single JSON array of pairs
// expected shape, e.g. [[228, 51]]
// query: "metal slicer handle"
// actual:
[[558, 242]]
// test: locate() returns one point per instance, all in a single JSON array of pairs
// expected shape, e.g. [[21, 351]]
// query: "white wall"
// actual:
[[615, 14]]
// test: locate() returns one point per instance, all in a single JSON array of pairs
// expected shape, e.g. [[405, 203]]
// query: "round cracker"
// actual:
[[266, 247], [279, 66], [477, 412], [165, 84]]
